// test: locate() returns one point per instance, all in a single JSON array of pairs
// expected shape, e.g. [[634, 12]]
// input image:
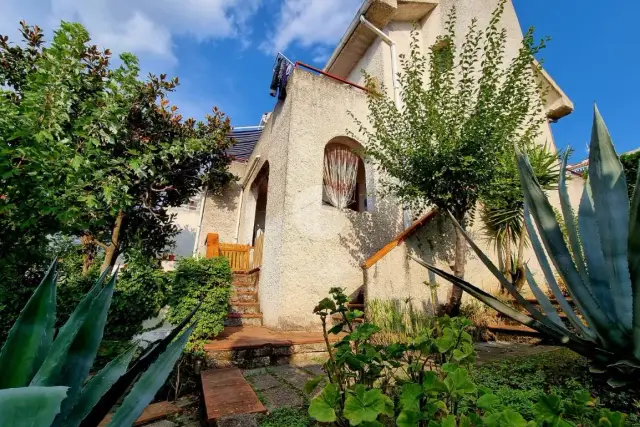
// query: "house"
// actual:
[[280, 208]]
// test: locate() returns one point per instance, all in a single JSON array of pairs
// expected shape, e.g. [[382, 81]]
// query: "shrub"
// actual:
[[139, 294], [201, 280]]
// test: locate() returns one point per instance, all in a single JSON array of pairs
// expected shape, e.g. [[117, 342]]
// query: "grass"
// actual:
[[287, 417], [398, 320], [518, 382]]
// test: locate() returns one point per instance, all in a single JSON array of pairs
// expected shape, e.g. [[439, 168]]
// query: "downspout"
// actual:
[[244, 183], [394, 59], [406, 212], [204, 200]]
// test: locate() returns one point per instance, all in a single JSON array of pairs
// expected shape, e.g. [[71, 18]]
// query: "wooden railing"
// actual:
[[241, 258]]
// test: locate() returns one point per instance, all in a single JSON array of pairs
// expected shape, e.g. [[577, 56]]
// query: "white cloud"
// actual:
[[310, 23], [144, 27]]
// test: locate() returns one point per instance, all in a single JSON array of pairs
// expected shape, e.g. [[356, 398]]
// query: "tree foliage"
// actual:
[[93, 150], [463, 109]]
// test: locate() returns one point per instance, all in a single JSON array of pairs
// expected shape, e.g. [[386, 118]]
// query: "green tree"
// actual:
[[92, 150], [461, 112]]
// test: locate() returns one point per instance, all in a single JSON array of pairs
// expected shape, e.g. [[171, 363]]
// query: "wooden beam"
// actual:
[[213, 245]]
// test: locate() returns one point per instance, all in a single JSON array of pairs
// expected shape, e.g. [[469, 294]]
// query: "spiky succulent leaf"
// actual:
[[84, 349], [147, 386], [97, 386], [611, 203], [541, 297], [30, 337], [30, 406]]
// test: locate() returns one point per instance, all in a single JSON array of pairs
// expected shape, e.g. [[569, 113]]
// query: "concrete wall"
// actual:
[[221, 209]]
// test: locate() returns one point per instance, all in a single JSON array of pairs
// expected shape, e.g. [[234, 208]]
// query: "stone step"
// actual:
[[244, 296], [154, 412], [250, 287], [245, 279], [228, 395], [240, 319], [245, 307], [256, 347]]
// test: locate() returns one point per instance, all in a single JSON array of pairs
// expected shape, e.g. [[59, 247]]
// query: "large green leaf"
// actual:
[[551, 279], [553, 240], [364, 405], [569, 221], [149, 383], [560, 329], [30, 337], [323, 406], [593, 254], [611, 203], [49, 372], [542, 298], [30, 406], [115, 392], [97, 386], [84, 349], [634, 264]]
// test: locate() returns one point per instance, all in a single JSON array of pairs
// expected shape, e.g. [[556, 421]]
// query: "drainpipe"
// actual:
[[394, 59], [244, 183], [204, 200], [406, 212]]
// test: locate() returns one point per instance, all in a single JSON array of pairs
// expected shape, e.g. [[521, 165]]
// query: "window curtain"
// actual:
[[340, 172]]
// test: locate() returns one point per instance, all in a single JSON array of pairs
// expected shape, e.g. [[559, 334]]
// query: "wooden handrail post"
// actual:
[[213, 245]]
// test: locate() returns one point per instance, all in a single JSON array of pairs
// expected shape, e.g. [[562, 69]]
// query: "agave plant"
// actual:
[[601, 271], [43, 381]]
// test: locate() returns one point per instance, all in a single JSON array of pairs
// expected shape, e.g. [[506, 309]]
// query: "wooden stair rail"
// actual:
[[242, 258], [238, 255], [258, 245]]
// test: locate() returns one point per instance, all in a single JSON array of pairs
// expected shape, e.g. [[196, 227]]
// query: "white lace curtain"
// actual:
[[340, 173]]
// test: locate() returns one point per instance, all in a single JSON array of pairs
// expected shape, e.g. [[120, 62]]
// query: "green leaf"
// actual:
[[30, 337], [84, 349], [364, 405], [459, 384], [449, 421], [488, 402], [364, 332], [410, 397], [323, 406], [612, 419], [611, 203], [30, 406], [548, 408], [449, 367], [149, 383], [97, 386], [49, 372], [542, 298], [324, 305], [313, 383], [510, 418], [408, 418]]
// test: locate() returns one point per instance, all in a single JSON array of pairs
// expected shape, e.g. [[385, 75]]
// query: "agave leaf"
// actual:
[[49, 372], [111, 396], [634, 264], [570, 223], [551, 280], [97, 386], [593, 253], [553, 240], [30, 337], [30, 406], [560, 329], [572, 341], [84, 349], [147, 386], [611, 203], [546, 305]]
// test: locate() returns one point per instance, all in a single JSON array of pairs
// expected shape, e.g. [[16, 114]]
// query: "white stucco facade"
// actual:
[[310, 247]]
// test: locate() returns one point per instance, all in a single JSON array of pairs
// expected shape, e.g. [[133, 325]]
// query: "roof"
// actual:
[[245, 140]]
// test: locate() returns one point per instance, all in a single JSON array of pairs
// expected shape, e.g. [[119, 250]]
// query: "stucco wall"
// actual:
[[221, 210], [321, 246]]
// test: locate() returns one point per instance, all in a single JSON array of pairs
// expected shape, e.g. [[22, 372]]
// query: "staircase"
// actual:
[[245, 306]]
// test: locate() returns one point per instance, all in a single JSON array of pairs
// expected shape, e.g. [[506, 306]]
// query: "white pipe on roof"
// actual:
[[394, 59], [246, 127], [347, 35]]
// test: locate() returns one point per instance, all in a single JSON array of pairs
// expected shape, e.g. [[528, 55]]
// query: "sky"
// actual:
[[223, 50]]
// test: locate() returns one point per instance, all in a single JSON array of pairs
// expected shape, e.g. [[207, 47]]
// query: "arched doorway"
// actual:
[[344, 179], [260, 189]]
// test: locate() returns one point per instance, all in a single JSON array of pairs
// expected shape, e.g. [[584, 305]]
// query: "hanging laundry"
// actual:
[[275, 81], [288, 69]]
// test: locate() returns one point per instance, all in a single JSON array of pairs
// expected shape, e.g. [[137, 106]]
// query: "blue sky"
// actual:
[[223, 50]]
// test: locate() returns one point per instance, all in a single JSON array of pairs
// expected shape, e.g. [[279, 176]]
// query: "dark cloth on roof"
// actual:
[[275, 81], [244, 143]]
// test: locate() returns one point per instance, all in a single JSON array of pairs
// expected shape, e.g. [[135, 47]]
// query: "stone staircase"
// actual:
[[245, 306]]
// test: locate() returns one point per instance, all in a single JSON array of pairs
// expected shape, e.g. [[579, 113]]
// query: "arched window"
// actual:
[[344, 178]]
